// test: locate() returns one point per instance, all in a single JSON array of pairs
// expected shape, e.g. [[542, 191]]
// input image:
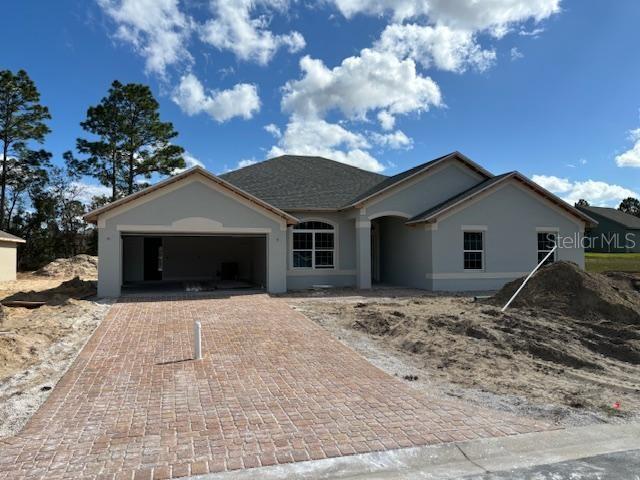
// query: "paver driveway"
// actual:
[[272, 387]]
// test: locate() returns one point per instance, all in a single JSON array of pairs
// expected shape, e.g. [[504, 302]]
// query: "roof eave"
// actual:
[[93, 216], [473, 165], [518, 176]]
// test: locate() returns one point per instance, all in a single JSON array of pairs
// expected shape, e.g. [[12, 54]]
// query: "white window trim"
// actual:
[[313, 267], [482, 252], [552, 230]]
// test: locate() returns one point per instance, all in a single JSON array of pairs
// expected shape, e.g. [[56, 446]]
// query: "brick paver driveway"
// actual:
[[272, 388]]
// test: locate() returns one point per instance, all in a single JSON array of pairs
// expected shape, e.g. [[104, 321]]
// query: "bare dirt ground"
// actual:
[[38, 345], [567, 352]]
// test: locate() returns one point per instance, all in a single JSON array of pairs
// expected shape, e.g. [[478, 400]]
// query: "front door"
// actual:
[[153, 258]]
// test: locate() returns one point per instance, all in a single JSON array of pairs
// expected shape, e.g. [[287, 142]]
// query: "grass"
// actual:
[[616, 262]]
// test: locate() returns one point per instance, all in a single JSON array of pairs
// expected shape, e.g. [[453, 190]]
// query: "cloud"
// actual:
[[395, 140], [516, 54], [371, 81], [318, 137], [157, 29], [235, 30], [190, 162], [274, 130], [496, 16], [595, 192], [87, 191], [631, 158], [387, 121], [246, 163], [441, 47], [240, 101]]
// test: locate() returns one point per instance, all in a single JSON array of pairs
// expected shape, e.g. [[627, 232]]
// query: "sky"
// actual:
[[550, 88]]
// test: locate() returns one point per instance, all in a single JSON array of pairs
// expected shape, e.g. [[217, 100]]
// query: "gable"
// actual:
[[425, 190], [192, 203], [167, 185]]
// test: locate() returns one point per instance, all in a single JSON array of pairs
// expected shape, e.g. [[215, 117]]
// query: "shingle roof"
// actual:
[[624, 219], [390, 181], [293, 182], [7, 237]]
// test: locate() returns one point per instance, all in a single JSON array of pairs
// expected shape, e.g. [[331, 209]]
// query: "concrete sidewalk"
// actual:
[[455, 460]]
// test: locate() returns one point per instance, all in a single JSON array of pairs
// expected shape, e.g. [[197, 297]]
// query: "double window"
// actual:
[[313, 245], [473, 250], [546, 242]]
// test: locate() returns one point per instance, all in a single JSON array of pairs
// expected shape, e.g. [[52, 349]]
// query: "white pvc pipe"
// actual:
[[197, 340], [530, 275]]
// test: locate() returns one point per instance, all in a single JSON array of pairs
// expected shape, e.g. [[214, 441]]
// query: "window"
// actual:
[[473, 250], [546, 242], [313, 245]]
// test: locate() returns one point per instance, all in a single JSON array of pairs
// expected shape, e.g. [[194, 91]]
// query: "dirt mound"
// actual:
[[85, 266], [563, 287], [545, 356], [74, 288]]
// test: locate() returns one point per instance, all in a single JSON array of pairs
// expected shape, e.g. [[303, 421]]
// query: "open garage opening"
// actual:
[[194, 262]]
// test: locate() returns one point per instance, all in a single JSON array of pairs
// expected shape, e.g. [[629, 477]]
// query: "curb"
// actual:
[[453, 460]]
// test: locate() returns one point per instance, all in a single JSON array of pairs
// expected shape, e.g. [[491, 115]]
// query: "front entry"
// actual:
[[152, 258]]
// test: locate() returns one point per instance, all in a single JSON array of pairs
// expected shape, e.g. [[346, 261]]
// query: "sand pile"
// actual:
[[84, 266], [564, 288], [572, 339], [71, 289]]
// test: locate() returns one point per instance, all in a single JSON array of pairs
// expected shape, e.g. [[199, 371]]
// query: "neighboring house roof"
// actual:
[[294, 182], [625, 219], [390, 182], [435, 212], [197, 170], [7, 237]]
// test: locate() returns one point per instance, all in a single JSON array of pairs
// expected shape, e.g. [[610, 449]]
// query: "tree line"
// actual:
[[126, 143], [629, 205]]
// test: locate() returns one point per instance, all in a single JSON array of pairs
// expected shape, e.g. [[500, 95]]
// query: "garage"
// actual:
[[194, 262], [191, 232]]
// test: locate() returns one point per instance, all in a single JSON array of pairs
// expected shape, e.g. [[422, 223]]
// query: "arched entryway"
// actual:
[[389, 257]]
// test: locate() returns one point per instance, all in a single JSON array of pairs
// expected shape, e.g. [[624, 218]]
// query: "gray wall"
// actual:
[[405, 253], [427, 191], [188, 206], [511, 216]]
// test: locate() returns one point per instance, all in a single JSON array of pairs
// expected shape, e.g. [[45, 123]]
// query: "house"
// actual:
[[294, 222], [8, 255], [616, 232]]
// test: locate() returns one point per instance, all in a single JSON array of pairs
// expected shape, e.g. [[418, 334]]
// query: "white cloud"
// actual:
[[87, 191], [157, 29], [516, 54], [371, 81], [318, 137], [248, 38], [246, 163], [387, 121], [190, 162], [240, 101], [395, 140], [631, 158], [273, 129], [496, 16], [595, 192], [440, 46]]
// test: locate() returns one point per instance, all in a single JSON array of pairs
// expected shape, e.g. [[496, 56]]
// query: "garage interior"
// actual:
[[194, 262]]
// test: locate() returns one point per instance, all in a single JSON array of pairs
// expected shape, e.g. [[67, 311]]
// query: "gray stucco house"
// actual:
[[616, 231], [293, 222]]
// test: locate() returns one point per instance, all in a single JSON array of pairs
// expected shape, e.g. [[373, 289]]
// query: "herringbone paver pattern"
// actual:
[[272, 388]]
